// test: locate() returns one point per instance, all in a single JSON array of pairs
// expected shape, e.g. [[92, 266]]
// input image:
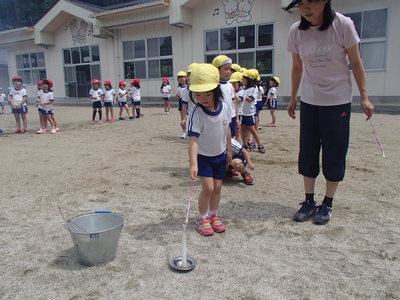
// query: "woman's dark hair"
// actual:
[[328, 17], [136, 85], [217, 96], [108, 85], [250, 82]]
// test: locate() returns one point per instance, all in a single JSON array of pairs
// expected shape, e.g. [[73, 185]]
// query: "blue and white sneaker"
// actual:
[[323, 214], [306, 211]]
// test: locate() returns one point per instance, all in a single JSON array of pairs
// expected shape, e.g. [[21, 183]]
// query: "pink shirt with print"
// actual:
[[326, 79]]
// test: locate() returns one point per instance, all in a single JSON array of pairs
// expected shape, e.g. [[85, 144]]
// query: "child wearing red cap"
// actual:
[[45, 107], [166, 92], [109, 99], [18, 98], [135, 95], [97, 96], [122, 93]]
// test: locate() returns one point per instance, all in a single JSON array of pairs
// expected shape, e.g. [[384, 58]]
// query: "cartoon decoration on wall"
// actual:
[[79, 32], [237, 10]]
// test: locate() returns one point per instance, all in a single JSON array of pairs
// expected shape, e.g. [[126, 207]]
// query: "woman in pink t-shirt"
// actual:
[[322, 44]]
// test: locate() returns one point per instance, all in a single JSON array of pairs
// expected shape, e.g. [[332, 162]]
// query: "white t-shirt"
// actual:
[[186, 98], [109, 95], [260, 93], [45, 97], [326, 79], [228, 93], [166, 88], [18, 95], [237, 147], [211, 128], [249, 108], [96, 93], [2, 98], [180, 91], [240, 94], [272, 91], [135, 94], [123, 98]]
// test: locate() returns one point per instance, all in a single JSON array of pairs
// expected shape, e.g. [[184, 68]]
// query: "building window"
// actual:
[[371, 27], [148, 58], [250, 46], [31, 67], [81, 65]]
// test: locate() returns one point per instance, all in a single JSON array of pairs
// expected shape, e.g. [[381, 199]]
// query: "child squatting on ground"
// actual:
[[210, 147]]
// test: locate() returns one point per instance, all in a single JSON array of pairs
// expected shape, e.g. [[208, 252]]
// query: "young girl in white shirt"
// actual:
[[109, 99]]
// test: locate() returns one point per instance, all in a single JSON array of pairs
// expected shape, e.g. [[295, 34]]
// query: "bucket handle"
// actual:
[[103, 211]]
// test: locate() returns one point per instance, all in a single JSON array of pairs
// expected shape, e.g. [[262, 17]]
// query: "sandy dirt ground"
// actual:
[[139, 168]]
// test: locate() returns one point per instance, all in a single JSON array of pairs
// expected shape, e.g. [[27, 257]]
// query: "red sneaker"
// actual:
[[217, 225], [204, 227]]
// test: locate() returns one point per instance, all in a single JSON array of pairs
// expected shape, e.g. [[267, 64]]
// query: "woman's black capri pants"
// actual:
[[327, 127]]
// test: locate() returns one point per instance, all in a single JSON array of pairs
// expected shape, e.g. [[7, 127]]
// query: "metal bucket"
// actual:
[[95, 236]]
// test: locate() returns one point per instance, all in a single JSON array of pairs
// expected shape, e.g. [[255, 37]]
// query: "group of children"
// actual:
[[221, 102]]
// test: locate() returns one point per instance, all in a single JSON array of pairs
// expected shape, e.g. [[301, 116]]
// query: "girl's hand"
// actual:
[[193, 171], [251, 166], [183, 124], [291, 109], [367, 107], [237, 123]]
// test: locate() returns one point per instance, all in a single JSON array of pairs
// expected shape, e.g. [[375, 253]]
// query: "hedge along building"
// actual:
[[148, 39]]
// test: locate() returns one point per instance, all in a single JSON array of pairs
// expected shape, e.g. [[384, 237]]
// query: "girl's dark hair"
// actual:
[[162, 84], [179, 83], [108, 85], [250, 82], [328, 17], [136, 85], [48, 84], [273, 79], [217, 96]]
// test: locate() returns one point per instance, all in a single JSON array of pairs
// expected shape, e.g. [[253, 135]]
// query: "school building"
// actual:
[[148, 39]]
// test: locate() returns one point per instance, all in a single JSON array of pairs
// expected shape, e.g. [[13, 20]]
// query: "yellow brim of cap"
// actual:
[[201, 88]]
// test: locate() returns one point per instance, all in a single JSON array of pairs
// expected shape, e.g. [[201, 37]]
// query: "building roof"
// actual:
[[91, 7]]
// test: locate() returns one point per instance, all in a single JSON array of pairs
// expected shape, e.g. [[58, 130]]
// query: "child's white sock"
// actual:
[[202, 216], [212, 213]]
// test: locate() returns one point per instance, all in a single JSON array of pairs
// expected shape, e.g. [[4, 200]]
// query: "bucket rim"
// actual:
[[94, 213]]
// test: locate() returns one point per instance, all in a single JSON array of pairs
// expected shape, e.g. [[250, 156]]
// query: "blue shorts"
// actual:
[[45, 111], [108, 104], [241, 157], [1, 104], [97, 104], [166, 99], [181, 102], [212, 166], [136, 103], [272, 104], [248, 121], [121, 104], [232, 125], [259, 107], [21, 110]]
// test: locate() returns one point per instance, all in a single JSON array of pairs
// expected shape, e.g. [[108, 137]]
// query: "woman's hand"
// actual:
[[367, 107], [291, 109], [193, 171]]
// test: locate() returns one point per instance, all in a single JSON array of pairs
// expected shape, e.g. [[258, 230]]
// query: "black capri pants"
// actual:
[[326, 127]]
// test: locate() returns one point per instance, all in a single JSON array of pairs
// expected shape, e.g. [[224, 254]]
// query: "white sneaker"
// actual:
[[183, 135]]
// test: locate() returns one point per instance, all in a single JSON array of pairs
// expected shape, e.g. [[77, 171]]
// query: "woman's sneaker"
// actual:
[[323, 214], [217, 224], [203, 226], [306, 211]]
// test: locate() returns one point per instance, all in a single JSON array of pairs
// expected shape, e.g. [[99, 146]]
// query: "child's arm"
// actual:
[[248, 99], [23, 101], [247, 157], [229, 148], [45, 103], [193, 151], [183, 115], [11, 100], [115, 99]]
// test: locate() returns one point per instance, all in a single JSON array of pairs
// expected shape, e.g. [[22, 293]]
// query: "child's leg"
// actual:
[[168, 106], [207, 189], [133, 110], [53, 118], [18, 120], [238, 165], [244, 133], [100, 114], [273, 115], [255, 134], [94, 114], [112, 112], [216, 195], [107, 112], [24, 121], [137, 111], [50, 120], [127, 109]]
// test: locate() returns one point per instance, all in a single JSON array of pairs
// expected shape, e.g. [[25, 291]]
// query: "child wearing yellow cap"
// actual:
[[210, 147], [224, 65], [272, 103]]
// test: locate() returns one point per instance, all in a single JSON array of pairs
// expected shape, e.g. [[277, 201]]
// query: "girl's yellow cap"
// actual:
[[236, 67], [204, 78], [277, 80], [181, 73], [250, 74], [235, 77], [221, 60]]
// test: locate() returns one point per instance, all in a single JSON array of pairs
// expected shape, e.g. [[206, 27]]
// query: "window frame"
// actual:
[[21, 70], [236, 51], [147, 58], [364, 41]]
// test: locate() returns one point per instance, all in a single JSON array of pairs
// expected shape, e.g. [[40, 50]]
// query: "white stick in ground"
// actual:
[[377, 139], [184, 249]]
